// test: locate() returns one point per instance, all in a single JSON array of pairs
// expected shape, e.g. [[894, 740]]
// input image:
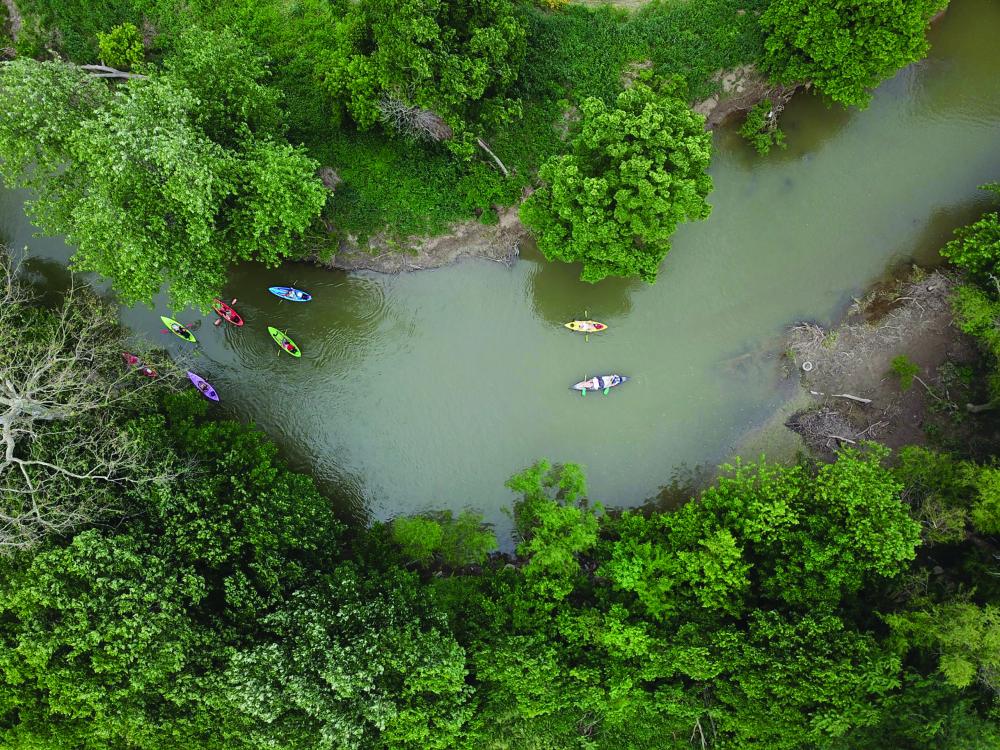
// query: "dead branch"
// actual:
[[103, 71], [413, 121], [484, 147], [65, 400], [852, 398]]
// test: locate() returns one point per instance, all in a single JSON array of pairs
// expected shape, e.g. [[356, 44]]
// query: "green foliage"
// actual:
[[349, 663], [455, 60], [555, 523], [966, 636], [171, 178], [634, 173], [418, 537], [976, 247], [121, 47], [761, 129], [456, 541], [986, 505], [938, 487], [905, 369], [845, 47]]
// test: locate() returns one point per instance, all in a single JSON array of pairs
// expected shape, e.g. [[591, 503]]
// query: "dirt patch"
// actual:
[[848, 371], [739, 90], [498, 242]]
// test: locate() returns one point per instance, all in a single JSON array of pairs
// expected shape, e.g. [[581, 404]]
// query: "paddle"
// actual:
[[586, 335]]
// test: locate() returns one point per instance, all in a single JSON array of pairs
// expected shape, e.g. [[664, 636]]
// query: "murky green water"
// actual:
[[429, 390]]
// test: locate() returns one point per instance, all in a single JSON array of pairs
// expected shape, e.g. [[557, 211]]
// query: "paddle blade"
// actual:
[[607, 391], [583, 392]]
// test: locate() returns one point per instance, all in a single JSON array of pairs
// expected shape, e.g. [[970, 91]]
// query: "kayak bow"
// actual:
[[281, 340]]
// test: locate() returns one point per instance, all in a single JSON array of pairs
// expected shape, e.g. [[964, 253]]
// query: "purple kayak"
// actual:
[[203, 386]]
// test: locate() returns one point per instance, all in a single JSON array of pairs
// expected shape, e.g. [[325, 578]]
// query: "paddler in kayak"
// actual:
[[178, 329], [148, 371], [288, 346], [203, 387]]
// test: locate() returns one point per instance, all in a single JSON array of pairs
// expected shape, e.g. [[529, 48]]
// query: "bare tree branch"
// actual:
[[65, 403]]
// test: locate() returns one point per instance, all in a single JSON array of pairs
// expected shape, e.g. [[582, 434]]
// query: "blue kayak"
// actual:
[[290, 293]]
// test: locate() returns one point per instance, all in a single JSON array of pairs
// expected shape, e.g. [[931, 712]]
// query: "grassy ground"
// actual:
[[414, 188]]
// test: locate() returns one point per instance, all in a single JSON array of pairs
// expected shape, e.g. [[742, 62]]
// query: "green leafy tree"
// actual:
[[634, 172], [121, 47], [350, 665], [965, 636], [457, 541], [976, 247], [170, 178], [845, 47], [428, 68], [760, 128], [555, 523]]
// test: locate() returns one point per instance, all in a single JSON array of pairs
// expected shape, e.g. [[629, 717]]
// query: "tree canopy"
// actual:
[[169, 178], [845, 47], [634, 172], [427, 68]]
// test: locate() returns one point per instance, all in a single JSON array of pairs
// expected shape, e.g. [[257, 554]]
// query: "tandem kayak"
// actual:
[[177, 329], [599, 383], [203, 386], [585, 326], [284, 342], [290, 293], [226, 312]]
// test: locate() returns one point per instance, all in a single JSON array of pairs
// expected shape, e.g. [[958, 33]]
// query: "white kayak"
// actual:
[[599, 383]]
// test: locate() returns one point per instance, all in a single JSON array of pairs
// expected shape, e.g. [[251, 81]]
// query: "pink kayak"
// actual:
[[203, 386]]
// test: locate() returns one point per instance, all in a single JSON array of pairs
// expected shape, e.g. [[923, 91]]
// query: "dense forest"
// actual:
[[168, 581]]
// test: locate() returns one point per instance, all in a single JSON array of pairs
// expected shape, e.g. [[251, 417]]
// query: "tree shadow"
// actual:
[[558, 295], [808, 122], [939, 227], [686, 482]]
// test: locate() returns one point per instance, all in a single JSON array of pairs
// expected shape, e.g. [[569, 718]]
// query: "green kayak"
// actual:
[[177, 329], [284, 342]]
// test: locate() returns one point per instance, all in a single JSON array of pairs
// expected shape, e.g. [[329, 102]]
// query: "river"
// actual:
[[428, 390]]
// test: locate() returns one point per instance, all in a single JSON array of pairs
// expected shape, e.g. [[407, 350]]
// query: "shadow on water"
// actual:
[[686, 482], [940, 226], [809, 122], [558, 295]]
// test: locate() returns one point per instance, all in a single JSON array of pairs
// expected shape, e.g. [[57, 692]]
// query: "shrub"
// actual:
[[761, 128], [121, 47], [905, 369]]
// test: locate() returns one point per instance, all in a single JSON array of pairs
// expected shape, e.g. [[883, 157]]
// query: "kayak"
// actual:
[[134, 361], [599, 383], [284, 342], [585, 326], [226, 312], [203, 386], [290, 293], [180, 331]]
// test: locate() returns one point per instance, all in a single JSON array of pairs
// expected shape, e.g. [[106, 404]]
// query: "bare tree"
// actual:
[[65, 397], [413, 121]]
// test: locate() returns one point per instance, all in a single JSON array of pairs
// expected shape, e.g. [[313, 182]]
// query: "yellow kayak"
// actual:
[[585, 326]]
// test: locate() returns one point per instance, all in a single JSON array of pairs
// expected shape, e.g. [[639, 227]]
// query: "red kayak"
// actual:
[[134, 361], [227, 313]]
